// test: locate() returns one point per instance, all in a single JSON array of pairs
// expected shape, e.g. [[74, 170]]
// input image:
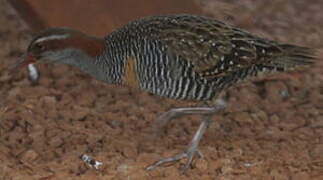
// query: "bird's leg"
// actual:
[[192, 147], [167, 116], [189, 153]]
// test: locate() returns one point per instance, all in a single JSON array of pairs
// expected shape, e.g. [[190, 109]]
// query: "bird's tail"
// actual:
[[292, 57]]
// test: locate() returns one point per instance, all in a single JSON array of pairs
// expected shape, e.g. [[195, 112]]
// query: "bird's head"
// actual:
[[60, 45]]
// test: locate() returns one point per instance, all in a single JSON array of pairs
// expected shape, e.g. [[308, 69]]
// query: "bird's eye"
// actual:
[[39, 47]]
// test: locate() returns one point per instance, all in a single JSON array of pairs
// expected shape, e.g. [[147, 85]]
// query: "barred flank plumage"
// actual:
[[193, 57]]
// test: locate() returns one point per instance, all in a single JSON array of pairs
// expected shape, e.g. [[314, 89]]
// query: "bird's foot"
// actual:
[[190, 151], [189, 154], [207, 113]]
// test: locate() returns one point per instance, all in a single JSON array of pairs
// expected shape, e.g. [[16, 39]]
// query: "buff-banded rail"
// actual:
[[183, 57]]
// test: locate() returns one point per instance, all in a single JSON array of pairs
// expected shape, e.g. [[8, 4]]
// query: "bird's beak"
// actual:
[[24, 61]]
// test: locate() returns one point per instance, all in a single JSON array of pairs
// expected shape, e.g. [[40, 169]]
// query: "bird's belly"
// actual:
[[172, 78], [185, 88]]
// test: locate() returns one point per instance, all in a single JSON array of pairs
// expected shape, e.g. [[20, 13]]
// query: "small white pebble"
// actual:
[[248, 164], [263, 51], [92, 163], [221, 102], [251, 164], [231, 62]]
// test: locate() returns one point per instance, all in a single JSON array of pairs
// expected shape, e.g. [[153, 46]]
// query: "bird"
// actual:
[[180, 56]]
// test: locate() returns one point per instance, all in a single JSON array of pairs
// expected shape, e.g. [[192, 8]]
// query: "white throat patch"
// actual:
[[52, 37]]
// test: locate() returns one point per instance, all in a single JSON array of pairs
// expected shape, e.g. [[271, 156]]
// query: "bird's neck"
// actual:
[[88, 54], [84, 62], [83, 52]]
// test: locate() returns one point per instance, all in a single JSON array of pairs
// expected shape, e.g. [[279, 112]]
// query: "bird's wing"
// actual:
[[216, 49]]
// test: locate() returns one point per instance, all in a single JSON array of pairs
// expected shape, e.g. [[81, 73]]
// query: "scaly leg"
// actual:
[[192, 147]]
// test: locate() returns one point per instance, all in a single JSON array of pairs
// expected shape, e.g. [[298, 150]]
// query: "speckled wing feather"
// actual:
[[218, 49]]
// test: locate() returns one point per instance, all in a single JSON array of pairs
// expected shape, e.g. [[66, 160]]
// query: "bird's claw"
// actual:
[[189, 154]]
